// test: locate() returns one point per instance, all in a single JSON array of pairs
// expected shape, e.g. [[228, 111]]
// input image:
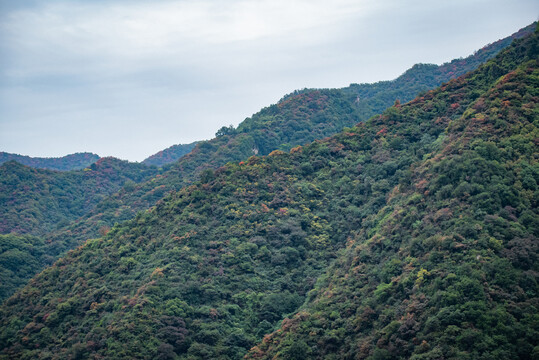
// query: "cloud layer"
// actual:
[[129, 78]]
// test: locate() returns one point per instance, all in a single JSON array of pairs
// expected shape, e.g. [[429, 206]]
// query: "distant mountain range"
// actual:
[[80, 161], [75, 161], [370, 99]]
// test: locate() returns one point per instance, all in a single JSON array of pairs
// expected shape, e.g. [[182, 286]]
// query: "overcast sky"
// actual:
[[128, 78]]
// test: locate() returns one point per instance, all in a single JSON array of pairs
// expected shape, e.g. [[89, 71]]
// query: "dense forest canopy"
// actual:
[[39, 202]]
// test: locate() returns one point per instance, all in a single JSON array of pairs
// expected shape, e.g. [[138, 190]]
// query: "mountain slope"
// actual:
[[449, 267], [21, 258], [374, 98], [169, 155], [75, 161], [212, 268], [298, 118], [36, 201]]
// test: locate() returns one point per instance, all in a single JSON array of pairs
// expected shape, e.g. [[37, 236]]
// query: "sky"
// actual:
[[128, 78]]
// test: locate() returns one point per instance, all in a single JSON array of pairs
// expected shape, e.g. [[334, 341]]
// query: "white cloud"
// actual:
[[132, 32]]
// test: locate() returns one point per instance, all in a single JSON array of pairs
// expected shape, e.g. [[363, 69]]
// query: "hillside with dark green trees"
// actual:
[[21, 258], [169, 155], [448, 267], [75, 161], [297, 119], [37, 201], [410, 236]]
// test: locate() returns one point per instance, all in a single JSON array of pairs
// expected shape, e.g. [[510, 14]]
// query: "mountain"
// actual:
[[299, 118], [411, 235], [372, 99], [170, 154], [448, 267], [38, 201], [75, 161]]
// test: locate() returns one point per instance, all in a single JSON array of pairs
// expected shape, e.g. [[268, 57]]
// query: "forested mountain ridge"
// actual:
[[431, 243], [75, 161], [374, 98], [169, 155], [297, 119], [230, 145]]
